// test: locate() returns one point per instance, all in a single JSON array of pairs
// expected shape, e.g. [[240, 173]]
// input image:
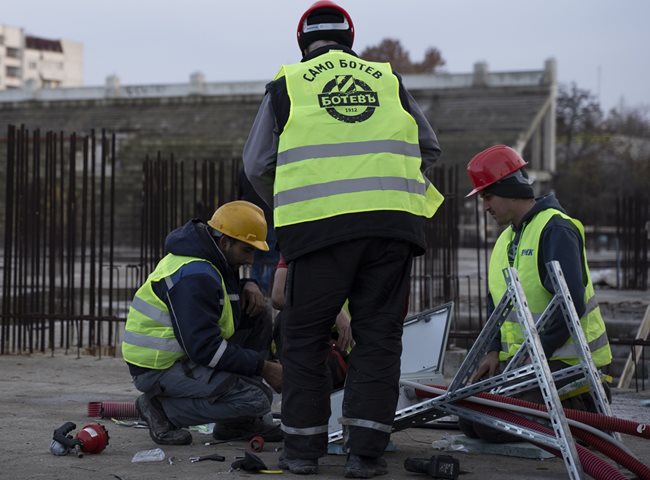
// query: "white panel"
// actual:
[[423, 350]]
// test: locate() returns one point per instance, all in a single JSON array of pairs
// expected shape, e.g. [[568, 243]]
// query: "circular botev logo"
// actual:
[[348, 99]]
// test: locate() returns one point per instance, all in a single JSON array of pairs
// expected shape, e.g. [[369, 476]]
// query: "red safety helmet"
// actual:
[[492, 165], [342, 31]]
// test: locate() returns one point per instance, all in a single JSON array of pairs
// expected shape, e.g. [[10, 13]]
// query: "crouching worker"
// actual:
[[197, 337], [536, 232]]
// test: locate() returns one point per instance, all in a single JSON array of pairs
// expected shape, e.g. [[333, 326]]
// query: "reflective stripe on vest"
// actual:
[[348, 149], [152, 312], [526, 263], [219, 353], [348, 145], [149, 339], [350, 185], [166, 344]]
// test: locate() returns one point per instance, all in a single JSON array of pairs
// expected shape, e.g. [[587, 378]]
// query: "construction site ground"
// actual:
[[40, 392]]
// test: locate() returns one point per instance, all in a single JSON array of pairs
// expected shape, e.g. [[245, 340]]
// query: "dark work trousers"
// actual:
[[193, 394], [373, 273]]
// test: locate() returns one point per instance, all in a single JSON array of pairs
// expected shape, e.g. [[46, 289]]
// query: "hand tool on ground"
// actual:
[[93, 438], [215, 456]]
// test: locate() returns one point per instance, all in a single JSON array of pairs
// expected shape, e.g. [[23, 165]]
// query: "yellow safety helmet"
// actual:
[[243, 221]]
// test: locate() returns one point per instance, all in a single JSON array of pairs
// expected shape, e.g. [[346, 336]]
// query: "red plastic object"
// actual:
[[594, 419], [491, 165], [112, 410], [93, 438], [256, 443], [323, 4]]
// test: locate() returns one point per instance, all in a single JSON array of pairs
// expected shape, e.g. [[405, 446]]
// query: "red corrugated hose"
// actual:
[[119, 410], [609, 448]]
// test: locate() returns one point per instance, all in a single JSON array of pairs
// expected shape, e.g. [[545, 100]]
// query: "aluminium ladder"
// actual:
[[526, 370]]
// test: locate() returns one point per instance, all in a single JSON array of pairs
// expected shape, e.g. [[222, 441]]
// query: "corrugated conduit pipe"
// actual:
[[602, 422], [601, 441], [591, 464], [119, 410]]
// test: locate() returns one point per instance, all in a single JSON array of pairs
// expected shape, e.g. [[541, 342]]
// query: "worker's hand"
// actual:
[[487, 368], [272, 373], [253, 301], [344, 330]]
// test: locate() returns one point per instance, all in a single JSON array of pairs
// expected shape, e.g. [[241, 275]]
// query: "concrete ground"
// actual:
[[38, 393]]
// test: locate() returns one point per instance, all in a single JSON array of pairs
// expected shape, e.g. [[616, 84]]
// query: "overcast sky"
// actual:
[[601, 45]]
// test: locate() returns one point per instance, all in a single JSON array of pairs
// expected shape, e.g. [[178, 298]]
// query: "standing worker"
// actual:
[[341, 336], [197, 337], [536, 232], [338, 148]]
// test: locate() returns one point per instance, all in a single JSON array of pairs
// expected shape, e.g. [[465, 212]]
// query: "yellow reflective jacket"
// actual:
[[348, 145], [526, 263], [149, 339]]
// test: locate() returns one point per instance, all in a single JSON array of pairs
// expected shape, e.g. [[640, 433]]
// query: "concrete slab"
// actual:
[[462, 443], [38, 393]]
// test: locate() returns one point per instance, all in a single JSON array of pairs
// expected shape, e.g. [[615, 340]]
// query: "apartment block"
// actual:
[[28, 61]]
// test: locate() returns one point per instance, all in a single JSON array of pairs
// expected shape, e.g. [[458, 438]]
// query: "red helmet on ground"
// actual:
[[325, 20], [492, 165]]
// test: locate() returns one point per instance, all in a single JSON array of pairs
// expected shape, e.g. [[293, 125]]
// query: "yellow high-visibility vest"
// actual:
[[526, 263], [348, 145], [149, 339]]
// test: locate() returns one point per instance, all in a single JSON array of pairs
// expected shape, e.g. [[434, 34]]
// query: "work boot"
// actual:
[[161, 430], [245, 428], [359, 466], [299, 466]]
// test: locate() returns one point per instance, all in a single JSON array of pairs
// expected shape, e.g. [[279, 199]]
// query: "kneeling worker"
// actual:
[[536, 231], [197, 337]]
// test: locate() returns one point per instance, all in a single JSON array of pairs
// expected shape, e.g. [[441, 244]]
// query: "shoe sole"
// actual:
[[302, 470], [364, 474]]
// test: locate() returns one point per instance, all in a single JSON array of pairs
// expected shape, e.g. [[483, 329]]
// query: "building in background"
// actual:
[[35, 62], [201, 121]]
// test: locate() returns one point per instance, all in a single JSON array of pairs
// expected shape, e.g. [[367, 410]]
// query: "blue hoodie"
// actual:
[[194, 302]]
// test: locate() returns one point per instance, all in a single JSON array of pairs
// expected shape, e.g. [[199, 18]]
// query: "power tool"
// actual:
[[93, 438], [438, 466]]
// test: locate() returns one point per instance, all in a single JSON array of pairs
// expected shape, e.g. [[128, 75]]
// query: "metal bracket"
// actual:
[[527, 369]]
